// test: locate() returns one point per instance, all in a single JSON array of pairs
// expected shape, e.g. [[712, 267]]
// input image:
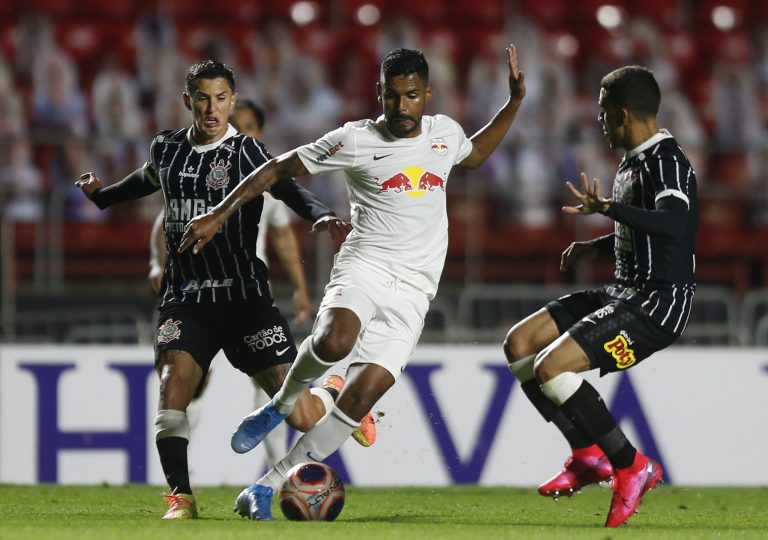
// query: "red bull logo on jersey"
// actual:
[[439, 147], [218, 178], [413, 181], [620, 351]]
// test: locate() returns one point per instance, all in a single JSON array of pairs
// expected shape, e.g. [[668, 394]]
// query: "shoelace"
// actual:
[[174, 499]]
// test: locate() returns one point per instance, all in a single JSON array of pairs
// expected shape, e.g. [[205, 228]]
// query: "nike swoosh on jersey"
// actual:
[[281, 352], [313, 458], [376, 158]]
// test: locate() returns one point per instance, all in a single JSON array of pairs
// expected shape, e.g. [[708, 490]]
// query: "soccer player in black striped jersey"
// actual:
[[645, 309], [219, 300]]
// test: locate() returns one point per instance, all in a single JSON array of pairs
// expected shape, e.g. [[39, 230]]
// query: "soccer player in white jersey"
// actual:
[[388, 268]]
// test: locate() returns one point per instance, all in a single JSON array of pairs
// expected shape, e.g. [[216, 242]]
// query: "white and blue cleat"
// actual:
[[254, 427], [255, 502]]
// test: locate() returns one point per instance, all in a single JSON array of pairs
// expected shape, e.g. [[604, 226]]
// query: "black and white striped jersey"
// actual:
[[194, 179], [655, 208]]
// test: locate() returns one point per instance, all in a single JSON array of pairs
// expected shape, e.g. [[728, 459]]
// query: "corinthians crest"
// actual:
[[168, 331], [218, 178]]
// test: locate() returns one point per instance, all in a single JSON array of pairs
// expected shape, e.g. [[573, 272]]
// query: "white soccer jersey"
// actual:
[[396, 192], [274, 214]]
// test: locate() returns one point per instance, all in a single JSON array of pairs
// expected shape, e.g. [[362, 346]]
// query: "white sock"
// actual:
[[561, 387], [326, 397], [523, 369], [319, 442], [171, 423], [305, 369]]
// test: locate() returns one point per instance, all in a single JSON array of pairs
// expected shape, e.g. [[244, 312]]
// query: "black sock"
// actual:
[[334, 393], [552, 413], [586, 409], [173, 458]]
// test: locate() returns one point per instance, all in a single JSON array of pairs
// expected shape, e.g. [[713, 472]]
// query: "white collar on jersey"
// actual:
[[655, 139], [231, 132]]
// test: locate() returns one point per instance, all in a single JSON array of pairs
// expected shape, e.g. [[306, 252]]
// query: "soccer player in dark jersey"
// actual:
[[219, 300], [645, 309]]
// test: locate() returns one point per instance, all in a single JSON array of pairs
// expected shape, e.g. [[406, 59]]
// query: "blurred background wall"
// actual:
[[85, 84]]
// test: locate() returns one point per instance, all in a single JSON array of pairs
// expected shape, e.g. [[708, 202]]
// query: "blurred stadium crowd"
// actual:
[[85, 85]]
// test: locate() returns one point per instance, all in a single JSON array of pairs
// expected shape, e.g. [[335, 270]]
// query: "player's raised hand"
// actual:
[[576, 253], [89, 183], [516, 77], [590, 200], [337, 228], [199, 232]]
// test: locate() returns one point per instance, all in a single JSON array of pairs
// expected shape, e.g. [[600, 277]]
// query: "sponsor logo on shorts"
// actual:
[[604, 312], [620, 351], [168, 331], [266, 338]]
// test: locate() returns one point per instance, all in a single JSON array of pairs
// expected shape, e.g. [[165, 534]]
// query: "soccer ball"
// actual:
[[311, 492]]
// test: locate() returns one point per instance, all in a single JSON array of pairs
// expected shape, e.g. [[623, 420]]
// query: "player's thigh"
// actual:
[[563, 354], [391, 336], [349, 303], [186, 333], [258, 341], [531, 335]]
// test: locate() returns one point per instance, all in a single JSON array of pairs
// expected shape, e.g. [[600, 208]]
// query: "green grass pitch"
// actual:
[[465, 512]]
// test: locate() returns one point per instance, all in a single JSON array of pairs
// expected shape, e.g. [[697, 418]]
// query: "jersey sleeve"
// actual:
[[332, 152], [463, 144], [253, 154], [670, 178]]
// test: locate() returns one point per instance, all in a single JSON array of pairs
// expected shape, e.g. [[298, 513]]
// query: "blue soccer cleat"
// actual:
[[255, 502], [254, 427]]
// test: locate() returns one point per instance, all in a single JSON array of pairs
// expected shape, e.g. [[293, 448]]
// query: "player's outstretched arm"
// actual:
[[139, 183], [485, 141], [201, 229]]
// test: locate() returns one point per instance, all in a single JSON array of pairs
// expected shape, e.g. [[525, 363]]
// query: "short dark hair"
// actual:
[[208, 69], [634, 88], [255, 109], [404, 62]]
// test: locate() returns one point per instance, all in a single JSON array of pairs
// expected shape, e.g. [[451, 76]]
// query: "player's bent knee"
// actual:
[[515, 346], [333, 347]]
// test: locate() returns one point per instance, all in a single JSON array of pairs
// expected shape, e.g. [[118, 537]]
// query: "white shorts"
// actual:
[[391, 314]]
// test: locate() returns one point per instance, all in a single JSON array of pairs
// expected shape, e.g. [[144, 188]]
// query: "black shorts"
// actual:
[[253, 335], [615, 334]]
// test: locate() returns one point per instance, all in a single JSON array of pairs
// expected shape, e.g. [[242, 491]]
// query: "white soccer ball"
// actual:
[[312, 491]]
